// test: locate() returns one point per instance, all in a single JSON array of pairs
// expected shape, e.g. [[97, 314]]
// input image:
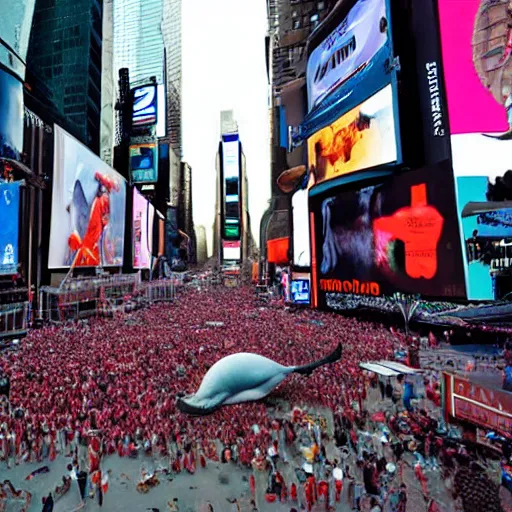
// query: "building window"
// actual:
[[313, 19], [294, 14], [296, 24], [321, 6]]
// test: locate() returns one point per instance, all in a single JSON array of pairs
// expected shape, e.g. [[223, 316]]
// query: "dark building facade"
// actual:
[[65, 55], [290, 22]]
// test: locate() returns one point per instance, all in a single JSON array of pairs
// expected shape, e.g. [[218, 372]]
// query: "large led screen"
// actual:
[[231, 199], [144, 106], [11, 116], [476, 37], [143, 219], [231, 251], [483, 169], [347, 50], [362, 138], [88, 208], [300, 208], [401, 235], [9, 233], [144, 163]]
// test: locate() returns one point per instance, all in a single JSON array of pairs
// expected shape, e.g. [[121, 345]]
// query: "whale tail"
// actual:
[[307, 369]]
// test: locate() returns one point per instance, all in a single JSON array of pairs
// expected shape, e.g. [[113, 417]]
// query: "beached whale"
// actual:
[[243, 377]]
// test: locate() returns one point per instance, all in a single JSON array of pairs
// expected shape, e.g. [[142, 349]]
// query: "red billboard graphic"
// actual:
[[488, 407], [399, 235], [476, 37]]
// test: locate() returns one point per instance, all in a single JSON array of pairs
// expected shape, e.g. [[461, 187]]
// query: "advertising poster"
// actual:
[[401, 235], [9, 213], [300, 291], [300, 207], [476, 37], [347, 50], [144, 163], [88, 208], [145, 100], [143, 218], [362, 138], [11, 116]]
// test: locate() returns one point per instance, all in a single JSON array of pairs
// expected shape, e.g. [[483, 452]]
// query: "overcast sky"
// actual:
[[224, 69]]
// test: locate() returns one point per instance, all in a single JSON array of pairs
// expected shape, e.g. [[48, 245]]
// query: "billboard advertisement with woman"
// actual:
[[88, 208]]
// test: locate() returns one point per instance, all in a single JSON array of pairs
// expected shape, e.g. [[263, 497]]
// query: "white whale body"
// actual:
[[242, 377]]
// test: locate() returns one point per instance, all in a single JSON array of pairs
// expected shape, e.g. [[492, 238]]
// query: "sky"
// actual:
[[223, 45]]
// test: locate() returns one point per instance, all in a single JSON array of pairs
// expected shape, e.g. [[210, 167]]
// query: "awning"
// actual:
[[380, 370], [399, 367], [277, 250]]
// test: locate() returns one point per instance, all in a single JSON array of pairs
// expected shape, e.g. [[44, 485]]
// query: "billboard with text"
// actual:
[[400, 235], [88, 208]]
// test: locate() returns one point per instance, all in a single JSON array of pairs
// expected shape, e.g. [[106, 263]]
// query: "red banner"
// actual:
[[487, 407]]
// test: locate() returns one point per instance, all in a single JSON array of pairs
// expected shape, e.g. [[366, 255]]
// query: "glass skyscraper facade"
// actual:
[[65, 52]]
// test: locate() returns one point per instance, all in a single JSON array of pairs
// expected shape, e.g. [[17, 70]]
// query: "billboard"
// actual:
[[400, 235], [231, 251], [476, 38], [347, 50], [362, 138], [16, 25], [300, 209], [9, 234], [11, 116], [143, 218], [88, 208], [300, 291], [231, 188], [144, 163], [145, 105]]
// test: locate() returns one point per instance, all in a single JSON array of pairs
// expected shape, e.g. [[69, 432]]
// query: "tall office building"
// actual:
[[171, 30], [232, 239], [65, 53], [290, 22], [138, 40]]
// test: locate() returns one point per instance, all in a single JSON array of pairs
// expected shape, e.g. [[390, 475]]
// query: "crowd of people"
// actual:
[[110, 386]]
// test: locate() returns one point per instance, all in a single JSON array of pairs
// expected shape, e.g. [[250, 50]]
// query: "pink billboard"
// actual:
[[143, 217], [476, 44]]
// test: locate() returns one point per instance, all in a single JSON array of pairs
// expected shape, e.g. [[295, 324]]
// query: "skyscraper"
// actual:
[[138, 40], [65, 52], [171, 29]]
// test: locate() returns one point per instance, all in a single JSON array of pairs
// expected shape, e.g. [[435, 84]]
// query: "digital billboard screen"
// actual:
[[9, 234], [347, 50], [300, 291], [143, 219], [145, 106], [11, 116], [400, 235], [88, 208], [231, 251], [300, 235], [144, 163], [476, 39], [362, 138], [231, 189]]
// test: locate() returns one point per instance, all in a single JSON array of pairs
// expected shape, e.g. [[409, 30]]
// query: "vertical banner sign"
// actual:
[[9, 215], [476, 40]]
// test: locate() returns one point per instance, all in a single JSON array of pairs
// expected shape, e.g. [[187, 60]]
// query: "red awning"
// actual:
[[277, 251]]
